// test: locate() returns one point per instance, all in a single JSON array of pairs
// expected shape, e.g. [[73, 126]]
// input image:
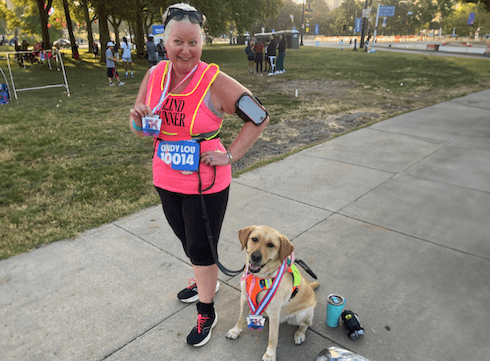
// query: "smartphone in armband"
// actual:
[[250, 109]]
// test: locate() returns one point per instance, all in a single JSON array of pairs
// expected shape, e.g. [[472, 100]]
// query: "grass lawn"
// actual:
[[68, 164]]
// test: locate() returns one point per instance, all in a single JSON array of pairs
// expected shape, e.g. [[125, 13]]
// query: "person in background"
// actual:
[[96, 50], [191, 98], [281, 49], [259, 51], [75, 53], [266, 57], [271, 54], [161, 51], [57, 55], [250, 56], [151, 50], [126, 56], [111, 64]]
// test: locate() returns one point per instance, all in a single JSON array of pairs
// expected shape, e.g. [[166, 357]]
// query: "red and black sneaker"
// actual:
[[201, 334], [190, 294]]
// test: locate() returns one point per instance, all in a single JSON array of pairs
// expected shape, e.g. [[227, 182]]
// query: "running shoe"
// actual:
[[201, 334], [189, 294]]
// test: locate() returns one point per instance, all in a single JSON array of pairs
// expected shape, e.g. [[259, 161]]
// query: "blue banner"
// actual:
[[386, 11], [471, 19], [158, 30], [317, 29], [358, 27]]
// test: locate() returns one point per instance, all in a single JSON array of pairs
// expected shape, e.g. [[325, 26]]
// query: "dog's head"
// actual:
[[266, 248]]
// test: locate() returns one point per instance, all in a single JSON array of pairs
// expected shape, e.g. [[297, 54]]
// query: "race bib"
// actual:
[[182, 155]]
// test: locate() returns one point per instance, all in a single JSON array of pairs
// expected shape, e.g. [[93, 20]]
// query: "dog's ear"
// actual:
[[243, 235], [287, 247]]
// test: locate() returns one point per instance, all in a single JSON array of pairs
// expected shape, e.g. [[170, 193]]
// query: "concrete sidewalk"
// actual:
[[395, 217]]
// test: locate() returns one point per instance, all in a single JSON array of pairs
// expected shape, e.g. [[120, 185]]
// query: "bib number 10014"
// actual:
[[181, 155]]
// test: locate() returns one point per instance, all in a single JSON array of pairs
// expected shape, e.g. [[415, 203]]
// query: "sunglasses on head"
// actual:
[[195, 17]]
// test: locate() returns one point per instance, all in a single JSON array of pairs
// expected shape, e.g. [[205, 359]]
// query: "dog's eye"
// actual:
[[255, 239], [270, 245]]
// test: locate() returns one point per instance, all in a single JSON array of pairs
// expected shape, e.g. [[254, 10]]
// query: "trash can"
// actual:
[[294, 43]]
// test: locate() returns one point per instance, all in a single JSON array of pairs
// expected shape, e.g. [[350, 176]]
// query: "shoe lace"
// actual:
[[201, 320], [192, 283]]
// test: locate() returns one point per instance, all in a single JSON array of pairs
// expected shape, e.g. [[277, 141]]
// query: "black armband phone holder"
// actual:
[[250, 109]]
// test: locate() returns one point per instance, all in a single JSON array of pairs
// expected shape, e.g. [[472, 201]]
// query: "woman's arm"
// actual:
[[225, 91], [140, 109]]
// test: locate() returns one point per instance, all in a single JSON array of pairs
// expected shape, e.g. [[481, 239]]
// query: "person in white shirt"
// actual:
[[126, 56]]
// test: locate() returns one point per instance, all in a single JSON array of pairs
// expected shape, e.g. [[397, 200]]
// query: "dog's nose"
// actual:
[[256, 257]]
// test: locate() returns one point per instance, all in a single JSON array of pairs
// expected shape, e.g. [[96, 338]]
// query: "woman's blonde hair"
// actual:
[[182, 6]]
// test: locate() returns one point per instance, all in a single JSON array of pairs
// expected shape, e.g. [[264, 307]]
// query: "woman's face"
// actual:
[[184, 45]]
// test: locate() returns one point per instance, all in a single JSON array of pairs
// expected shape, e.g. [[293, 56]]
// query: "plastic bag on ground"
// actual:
[[338, 354]]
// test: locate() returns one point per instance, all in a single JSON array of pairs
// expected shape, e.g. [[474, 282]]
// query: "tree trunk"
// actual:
[[103, 30], [90, 34], [140, 40], [74, 48], [43, 16]]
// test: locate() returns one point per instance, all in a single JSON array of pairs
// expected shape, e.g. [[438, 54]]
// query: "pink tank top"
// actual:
[[184, 117]]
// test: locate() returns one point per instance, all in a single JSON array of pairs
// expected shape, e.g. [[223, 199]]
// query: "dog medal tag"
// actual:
[[151, 125], [256, 322]]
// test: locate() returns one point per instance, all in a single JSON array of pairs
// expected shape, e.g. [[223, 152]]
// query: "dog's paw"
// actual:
[[269, 355], [299, 337], [233, 333]]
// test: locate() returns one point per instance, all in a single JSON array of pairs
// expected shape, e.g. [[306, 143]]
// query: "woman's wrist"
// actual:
[[137, 127], [229, 156]]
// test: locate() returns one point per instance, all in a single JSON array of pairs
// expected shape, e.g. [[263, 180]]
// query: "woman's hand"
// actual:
[[213, 158], [140, 110]]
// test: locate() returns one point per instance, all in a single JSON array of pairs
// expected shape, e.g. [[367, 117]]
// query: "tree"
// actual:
[[43, 8], [70, 27], [484, 3], [102, 14], [86, 15], [320, 14], [10, 17], [340, 18], [459, 20], [283, 20]]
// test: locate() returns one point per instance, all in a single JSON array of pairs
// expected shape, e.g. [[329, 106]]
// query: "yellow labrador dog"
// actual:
[[266, 250]]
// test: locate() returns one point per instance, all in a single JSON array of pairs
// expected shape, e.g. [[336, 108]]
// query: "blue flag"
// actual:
[[358, 25]]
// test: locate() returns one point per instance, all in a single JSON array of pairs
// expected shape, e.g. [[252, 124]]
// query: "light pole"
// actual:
[[303, 23], [363, 27]]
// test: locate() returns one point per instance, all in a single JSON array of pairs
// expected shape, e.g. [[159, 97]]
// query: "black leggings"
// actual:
[[258, 61], [184, 215]]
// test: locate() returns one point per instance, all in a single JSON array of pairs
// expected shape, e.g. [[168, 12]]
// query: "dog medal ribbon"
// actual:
[[256, 321]]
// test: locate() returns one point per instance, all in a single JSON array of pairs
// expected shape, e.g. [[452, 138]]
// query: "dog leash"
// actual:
[[207, 225], [306, 268]]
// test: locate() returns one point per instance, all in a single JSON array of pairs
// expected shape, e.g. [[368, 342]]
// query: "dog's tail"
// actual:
[[314, 285]]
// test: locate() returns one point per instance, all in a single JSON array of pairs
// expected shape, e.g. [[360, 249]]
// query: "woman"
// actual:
[[259, 50], [250, 56], [126, 56], [282, 53], [190, 98]]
